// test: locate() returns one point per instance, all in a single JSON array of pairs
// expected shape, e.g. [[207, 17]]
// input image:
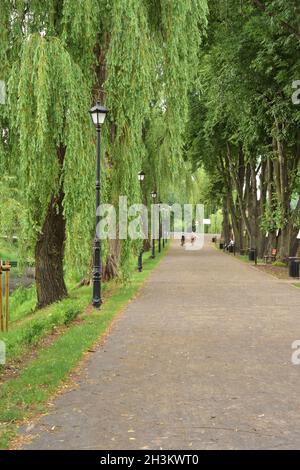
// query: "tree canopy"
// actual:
[[139, 58], [244, 127]]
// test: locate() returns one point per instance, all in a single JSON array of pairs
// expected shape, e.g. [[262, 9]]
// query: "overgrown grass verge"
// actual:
[[27, 329], [22, 303], [8, 250], [27, 395]]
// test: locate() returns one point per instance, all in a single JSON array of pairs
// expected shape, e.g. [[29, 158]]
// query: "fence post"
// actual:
[[5, 268], [7, 263]]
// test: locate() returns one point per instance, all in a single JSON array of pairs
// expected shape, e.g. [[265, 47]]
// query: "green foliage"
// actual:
[[150, 64], [71, 314], [279, 264], [61, 56], [242, 119], [32, 333], [51, 116], [12, 212], [22, 303], [79, 23], [27, 328], [8, 250]]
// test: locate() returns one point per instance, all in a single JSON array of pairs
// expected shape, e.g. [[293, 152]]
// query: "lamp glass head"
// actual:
[[141, 176], [98, 114]]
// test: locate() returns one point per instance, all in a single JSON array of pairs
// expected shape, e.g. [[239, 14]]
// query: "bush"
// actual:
[[62, 315], [33, 333], [70, 315]]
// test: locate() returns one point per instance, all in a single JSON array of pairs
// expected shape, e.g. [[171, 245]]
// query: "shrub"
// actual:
[[33, 332], [70, 315]]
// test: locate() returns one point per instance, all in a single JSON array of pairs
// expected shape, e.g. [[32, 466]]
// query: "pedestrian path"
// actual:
[[200, 360]]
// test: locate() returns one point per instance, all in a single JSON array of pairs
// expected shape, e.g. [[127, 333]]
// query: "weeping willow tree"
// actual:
[[150, 65], [55, 155], [138, 57]]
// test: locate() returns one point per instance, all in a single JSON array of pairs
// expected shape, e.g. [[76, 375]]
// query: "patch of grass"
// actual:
[[279, 264], [70, 315], [33, 327], [244, 258], [28, 394], [22, 303], [8, 250]]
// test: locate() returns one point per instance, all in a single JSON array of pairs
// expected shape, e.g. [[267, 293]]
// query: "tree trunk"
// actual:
[[283, 189], [225, 223], [49, 250], [49, 256], [146, 244], [112, 261]]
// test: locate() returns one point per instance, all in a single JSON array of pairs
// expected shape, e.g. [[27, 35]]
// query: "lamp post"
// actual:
[[141, 177], [163, 227], [153, 195], [98, 114], [159, 227]]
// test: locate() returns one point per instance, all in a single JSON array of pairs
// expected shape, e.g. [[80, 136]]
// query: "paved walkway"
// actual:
[[201, 360]]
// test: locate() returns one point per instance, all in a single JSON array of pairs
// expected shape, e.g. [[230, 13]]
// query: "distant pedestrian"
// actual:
[[182, 240]]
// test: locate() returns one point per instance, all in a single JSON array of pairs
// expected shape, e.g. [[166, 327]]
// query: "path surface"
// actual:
[[201, 360]]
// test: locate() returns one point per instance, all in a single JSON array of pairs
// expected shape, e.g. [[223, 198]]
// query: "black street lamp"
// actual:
[[153, 195], [159, 227], [141, 177], [163, 226], [98, 114]]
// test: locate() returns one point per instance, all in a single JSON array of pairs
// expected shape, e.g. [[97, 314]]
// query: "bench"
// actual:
[[271, 257]]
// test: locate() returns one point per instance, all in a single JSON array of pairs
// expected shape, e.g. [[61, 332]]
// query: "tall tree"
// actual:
[[249, 126], [138, 57]]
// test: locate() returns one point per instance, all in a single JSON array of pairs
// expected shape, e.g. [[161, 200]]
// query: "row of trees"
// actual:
[[176, 104], [244, 128], [138, 57]]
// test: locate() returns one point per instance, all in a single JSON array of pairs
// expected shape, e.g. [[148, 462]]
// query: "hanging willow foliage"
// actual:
[[131, 66], [182, 26], [51, 112], [62, 55], [150, 63], [129, 89]]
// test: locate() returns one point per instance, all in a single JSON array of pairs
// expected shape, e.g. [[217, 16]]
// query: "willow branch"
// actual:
[[259, 4]]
